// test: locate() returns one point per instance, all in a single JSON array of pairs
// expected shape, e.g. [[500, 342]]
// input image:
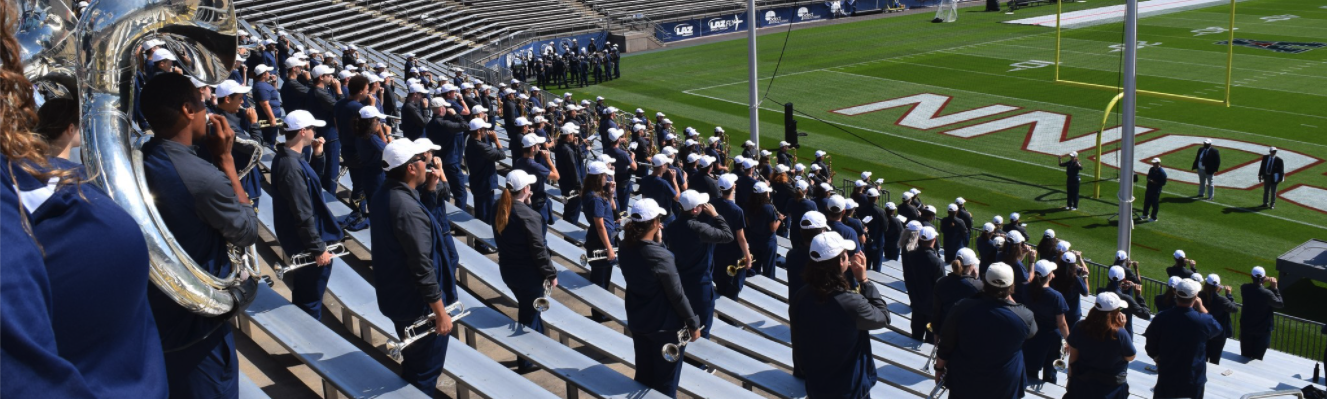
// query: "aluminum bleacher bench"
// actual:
[[342, 366], [249, 390]]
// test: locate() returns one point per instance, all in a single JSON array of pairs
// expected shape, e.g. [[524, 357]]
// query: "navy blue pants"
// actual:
[[1072, 188], [651, 368], [546, 212], [765, 252], [1253, 345], [1038, 354], [571, 211], [457, 180], [484, 202], [624, 194], [1214, 348], [331, 165], [874, 256], [528, 316], [892, 252], [253, 185], [421, 362], [307, 285], [724, 285], [601, 274], [206, 369], [702, 299]]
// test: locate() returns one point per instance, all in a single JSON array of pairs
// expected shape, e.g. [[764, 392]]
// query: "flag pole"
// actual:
[[754, 101], [1130, 111]]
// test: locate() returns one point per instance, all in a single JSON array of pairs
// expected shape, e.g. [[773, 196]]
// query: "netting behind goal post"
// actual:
[[947, 11]]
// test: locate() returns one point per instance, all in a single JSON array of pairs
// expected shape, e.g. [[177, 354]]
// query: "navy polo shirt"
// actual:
[[1045, 309], [1099, 357], [263, 91], [597, 206], [540, 171], [847, 232], [659, 190], [729, 251], [346, 112], [1177, 340]]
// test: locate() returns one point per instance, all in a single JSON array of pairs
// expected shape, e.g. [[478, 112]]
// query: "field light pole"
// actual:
[[1130, 110], [751, 71]]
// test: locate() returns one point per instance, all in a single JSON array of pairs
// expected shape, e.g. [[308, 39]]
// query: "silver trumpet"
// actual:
[[673, 352], [1062, 364], [934, 348], [595, 255], [542, 303], [309, 258], [422, 328], [939, 389]]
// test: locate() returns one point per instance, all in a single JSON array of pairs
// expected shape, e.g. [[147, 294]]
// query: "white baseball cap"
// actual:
[[829, 245], [570, 128], [802, 185], [518, 179], [997, 219], [873, 193], [1069, 257], [783, 143], [850, 204], [476, 124], [1073, 154], [598, 168], [162, 54], [531, 140], [231, 87], [1156, 160], [929, 233], [1121, 255], [693, 157], [1044, 267], [293, 62], [1213, 279], [914, 226], [835, 203], [1187, 288], [645, 210], [855, 183], [437, 102], [727, 181], [1116, 273], [1000, 275], [1049, 233], [301, 119], [952, 207], [907, 195], [1173, 280], [692, 198], [607, 159], [614, 134], [988, 227], [1258, 271], [521, 121], [761, 187], [1063, 246], [706, 160], [1013, 217], [765, 153], [967, 256], [478, 109], [891, 206], [748, 163], [814, 220], [815, 167], [1108, 302], [929, 209], [1179, 254], [398, 152], [820, 153], [660, 160], [418, 88], [321, 70], [369, 111], [1016, 237], [258, 70], [344, 74]]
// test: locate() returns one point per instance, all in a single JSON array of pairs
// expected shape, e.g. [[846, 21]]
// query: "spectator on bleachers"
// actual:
[[1177, 341], [303, 223], [1118, 284], [482, 153], [1048, 310], [921, 268], [1220, 307], [1100, 350], [1256, 320], [295, 87], [523, 256], [211, 210], [410, 265], [372, 135], [321, 103], [831, 322], [980, 349], [658, 311], [961, 283], [692, 238]]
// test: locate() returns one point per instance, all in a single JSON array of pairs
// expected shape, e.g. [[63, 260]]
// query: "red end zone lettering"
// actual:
[[1047, 132]]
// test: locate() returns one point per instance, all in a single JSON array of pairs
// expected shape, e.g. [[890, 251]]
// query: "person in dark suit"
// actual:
[[1207, 163], [1071, 169], [1156, 179], [1271, 172], [1255, 322]]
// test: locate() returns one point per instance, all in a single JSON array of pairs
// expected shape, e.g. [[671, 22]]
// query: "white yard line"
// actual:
[[1222, 67], [910, 138]]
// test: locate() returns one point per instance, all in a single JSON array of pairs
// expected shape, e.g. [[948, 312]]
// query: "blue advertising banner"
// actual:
[[775, 16], [724, 24], [681, 30], [540, 47], [717, 25]]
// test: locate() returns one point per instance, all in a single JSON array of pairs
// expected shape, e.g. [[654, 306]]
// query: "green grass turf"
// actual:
[[1279, 100]]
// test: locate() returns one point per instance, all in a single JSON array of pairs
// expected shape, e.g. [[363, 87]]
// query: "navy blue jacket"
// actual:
[[303, 222], [1260, 303], [1156, 179], [346, 111], [409, 259], [1177, 340], [990, 364], [692, 241], [522, 253], [482, 159], [832, 343], [921, 269], [1221, 307], [655, 301], [948, 291], [447, 132]]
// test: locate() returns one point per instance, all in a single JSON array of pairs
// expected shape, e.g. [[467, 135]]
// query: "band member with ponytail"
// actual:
[[1100, 349], [762, 222], [204, 209], [597, 203], [811, 225], [411, 272], [692, 238], [522, 254], [657, 307], [1013, 254], [980, 352], [482, 153], [736, 251], [303, 222], [1118, 284], [1071, 280], [371, 139], [831, 323], [1220, 307], [1255, 322], [1048, 309], [961, 283]]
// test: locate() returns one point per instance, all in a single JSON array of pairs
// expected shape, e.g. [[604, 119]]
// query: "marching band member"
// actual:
[[597, 202], [54, 226], [447, 129], [1256, 323], [735, 251], [907, 209], [412, 113], [1166, 300], [411, 270], [1071, 169], [980, 352], [538, 162], [570, 156], [745, 181], [784, 157], [657, 307], [921, 268], [1118, 284], [762, 221], [798, 205], [703, 178], [434, 200], [346, 111], [831, 323], [230, 99], [522, 253], [955, 231], [1220, 307], [961, 283], [820, 160], [748, 149], [893, 232], [692, 238], [1048, 310], [267, 100], [661, 186], [1183, 267], [294, 88], [322, 104], [1071, 281], [303, 222], [812, 224], [482, 153], [371, 138], [849, 209], [835, 207], [204, 210], [1177, 341], [1015, 250], [1100, 350], [624, 162]]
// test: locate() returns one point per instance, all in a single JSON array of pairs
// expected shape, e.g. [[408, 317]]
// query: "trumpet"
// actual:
[[422, 328], [309, 258], [741, 264], [939, 389], [542, 303], [1062, 364], [829, 166], [934, 348], [598, 254], [263, 124], [673, 352]]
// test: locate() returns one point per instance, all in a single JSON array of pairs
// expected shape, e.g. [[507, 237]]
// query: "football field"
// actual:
[[971, 109]]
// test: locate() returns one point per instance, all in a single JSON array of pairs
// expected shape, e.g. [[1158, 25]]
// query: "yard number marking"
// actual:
[[1141, 45], [1033, 64], [1275, 18]]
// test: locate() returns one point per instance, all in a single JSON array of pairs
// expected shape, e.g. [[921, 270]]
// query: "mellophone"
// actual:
[[422, 328], [303, 259]]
